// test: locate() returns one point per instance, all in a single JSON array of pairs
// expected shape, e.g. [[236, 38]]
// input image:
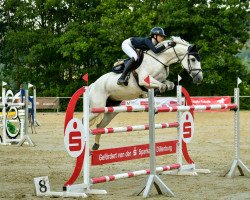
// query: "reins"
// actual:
[[189, 70], [157, 59]]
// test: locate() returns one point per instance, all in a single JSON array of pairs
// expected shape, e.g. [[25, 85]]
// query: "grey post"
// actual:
[[153, 178]]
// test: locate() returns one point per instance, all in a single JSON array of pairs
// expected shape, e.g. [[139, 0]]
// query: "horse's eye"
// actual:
[[192, 59]]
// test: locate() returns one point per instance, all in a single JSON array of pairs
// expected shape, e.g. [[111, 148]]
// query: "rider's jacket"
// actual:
[[145, 44]]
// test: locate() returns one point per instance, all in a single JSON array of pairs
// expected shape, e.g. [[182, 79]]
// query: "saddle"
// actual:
[[120, 64]]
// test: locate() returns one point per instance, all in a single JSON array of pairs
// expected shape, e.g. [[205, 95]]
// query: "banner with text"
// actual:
[[47, 103], [210, 101], [119, 154], [172, 101]]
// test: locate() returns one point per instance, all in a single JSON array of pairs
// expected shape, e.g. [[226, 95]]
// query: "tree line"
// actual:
[[52, 43]]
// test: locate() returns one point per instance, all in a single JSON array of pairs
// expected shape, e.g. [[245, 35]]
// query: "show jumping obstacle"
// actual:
[[23, 114], [77, 144]]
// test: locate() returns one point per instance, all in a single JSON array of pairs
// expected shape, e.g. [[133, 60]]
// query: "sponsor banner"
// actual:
[[119, 154], [47, 103], [210, 101], [172, 101], [159, 101]]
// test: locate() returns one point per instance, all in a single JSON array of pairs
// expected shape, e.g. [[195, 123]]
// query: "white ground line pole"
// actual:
[[237, 163], [153, 178]]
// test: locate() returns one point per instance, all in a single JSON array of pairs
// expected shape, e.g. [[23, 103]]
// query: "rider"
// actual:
[[130, 45]]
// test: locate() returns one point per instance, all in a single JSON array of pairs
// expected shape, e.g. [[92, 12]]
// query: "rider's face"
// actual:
[[160, 38]]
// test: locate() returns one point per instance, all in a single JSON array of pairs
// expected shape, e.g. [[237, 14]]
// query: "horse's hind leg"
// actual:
[[105, 121]]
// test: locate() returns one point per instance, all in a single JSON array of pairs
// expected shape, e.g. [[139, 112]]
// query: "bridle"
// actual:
[[189, 70]]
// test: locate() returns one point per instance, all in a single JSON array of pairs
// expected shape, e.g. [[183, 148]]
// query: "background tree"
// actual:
[[220, 29], [53, 43]]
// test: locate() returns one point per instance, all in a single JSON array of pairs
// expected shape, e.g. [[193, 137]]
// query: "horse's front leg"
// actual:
[[153, 84], [170, 85], [105, 121]]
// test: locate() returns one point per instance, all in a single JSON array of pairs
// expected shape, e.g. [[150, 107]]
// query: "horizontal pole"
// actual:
[[11, 104], [15, 104], [103, 179], [118, 109], [196, 107], [100, 131]]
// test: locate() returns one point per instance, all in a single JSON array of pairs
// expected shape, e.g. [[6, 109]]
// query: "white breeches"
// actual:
[[128, 48]]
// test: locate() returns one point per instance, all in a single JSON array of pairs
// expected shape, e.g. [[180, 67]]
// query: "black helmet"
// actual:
[[157, 31]]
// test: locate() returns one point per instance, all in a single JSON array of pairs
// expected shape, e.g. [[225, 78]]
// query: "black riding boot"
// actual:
[[128, 67]]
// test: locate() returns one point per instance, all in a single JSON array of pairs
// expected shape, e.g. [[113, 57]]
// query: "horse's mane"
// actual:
[[178, 40]]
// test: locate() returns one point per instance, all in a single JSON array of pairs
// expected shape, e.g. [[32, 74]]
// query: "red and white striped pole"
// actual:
[[163, 109], [100, 131], [103, 179]]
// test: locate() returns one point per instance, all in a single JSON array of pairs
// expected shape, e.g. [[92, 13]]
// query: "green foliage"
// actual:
[[52, 43]]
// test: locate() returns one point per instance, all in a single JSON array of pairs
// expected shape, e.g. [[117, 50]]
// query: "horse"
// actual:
[[105, 91]]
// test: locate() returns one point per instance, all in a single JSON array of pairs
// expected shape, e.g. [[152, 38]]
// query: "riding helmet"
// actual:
[[157, 31]]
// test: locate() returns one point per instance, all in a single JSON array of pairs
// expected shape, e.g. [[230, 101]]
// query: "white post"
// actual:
[[179, 135], [237, 163], [4, 113], [34, 105], [86, 167], [26, 121]]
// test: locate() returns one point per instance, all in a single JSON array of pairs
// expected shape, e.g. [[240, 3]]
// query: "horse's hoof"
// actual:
[[162, 88], [95, 146], [157, 91], [170, 86]]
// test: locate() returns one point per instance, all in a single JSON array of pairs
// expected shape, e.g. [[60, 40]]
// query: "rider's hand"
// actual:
[[171, 44]]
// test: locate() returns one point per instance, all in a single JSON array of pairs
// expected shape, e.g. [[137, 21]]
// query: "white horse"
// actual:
[[154, 65]]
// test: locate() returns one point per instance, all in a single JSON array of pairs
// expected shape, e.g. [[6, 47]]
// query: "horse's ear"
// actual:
[[191, 48], [194, 48]]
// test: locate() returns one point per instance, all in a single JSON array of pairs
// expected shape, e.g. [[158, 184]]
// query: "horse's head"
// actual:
[[192, 63], [188, 56]]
